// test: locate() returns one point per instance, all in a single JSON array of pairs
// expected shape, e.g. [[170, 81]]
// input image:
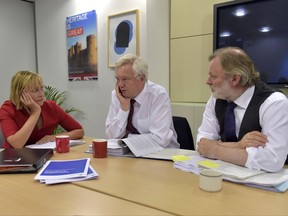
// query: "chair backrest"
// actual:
[[184, 134], [1, 138]]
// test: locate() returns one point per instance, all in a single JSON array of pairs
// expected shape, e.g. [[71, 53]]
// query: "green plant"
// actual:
[[60, 98]]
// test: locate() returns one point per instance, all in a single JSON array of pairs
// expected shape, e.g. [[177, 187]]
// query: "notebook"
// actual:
[[23, 160]]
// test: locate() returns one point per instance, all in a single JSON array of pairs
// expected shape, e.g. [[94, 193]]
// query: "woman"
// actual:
[[27, 118]]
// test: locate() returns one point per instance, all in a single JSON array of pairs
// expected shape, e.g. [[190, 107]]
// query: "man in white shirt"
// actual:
[[261, 115], [152, 116]]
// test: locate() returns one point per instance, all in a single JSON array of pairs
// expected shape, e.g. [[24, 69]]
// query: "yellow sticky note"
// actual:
[[208, 164], [180, 158]]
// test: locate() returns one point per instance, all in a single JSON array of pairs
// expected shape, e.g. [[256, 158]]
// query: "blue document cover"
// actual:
[[62, 169], [92, 174]]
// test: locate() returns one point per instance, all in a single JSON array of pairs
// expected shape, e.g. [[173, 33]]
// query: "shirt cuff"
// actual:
[[250, 163]]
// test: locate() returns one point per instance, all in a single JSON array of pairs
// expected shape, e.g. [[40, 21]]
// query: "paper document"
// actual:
[[169, 153], [143, 147], [52, 145], [236, 172], [265, 179], [141, 144], [113, 148], [277, 181], [92, 174], [227, 169], [134, 145], [116, 147], [60, 171]]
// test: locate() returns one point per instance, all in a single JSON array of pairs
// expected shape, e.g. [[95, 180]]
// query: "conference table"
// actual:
[[158, 185], [132, 186], [21, 195]]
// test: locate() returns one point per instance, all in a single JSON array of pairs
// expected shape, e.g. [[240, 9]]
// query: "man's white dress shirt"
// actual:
[[152, 116], [273, 118]]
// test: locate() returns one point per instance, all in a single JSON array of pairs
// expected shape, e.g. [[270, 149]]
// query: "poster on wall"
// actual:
[[81, 33], [123, 35]]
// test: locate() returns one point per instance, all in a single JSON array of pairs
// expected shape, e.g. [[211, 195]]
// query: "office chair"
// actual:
[[1, 138], [184, 134]]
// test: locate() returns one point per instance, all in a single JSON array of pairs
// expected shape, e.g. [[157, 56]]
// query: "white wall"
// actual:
[[158, 41], [93, 97], [17, 41]]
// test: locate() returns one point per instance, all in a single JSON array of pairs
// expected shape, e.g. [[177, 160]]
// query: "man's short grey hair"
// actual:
[[139, 67]]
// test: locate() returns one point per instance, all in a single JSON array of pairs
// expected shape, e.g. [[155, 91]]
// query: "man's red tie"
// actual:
[[130, 128]]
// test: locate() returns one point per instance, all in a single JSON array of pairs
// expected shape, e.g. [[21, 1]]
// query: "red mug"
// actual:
[[99, 147], [62, 143]]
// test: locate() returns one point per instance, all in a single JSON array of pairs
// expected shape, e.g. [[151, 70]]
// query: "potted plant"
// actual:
[[59, 97]]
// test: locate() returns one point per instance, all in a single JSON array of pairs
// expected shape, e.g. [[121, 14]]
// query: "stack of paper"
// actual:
[[277, 182], [114, 148], [60, 171], [170, 154]]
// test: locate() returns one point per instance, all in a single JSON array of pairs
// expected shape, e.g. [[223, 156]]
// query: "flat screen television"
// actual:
[[260, 27]]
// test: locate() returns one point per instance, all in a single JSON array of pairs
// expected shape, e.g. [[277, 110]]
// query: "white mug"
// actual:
[[210, 180]]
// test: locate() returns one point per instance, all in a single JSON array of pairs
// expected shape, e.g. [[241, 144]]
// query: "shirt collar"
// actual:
[[140, 97], [244, 100]]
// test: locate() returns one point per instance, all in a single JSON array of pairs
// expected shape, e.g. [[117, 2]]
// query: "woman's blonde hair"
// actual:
[[19, 82]]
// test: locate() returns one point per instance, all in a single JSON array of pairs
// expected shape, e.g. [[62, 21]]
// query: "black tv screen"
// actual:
[[260, 27]]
